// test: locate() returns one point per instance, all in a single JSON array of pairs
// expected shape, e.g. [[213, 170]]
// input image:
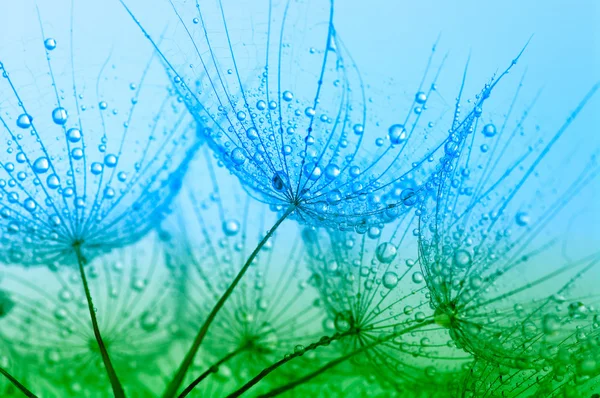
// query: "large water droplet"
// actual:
[[52, 181], [397, 134], [462, 258], [96, 168], [50, 44], [386, 252], [332, 171], [252, 133], [238, 157], [74, 135], [41, 165], [24, 121], [421, 97], [313, 171], [334, 197], [489, 130], [110, 160], [522, 219], [59, 116], [389, 280], [231, 227], [417, 277]]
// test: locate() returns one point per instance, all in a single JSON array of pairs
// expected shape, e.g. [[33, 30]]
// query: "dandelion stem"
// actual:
[[16, 383], [213, 369], [335, 362], [266, 371], [171, 390], [112, 375]]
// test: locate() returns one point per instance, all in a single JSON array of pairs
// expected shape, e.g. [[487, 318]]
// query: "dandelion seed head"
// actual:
[[374, 291], [87, 161], [494, 243], [285, 110], [272, 312]]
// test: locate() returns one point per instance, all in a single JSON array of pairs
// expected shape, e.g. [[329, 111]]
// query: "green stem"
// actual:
[[110, 370], [16, 383], [323, 342], [213, 369], [171, 390], [335, 362]]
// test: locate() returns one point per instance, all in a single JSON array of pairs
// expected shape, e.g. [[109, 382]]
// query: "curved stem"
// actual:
[[110, 370], [213, 369], [324, 341], [335, 362], [171, 390], [16, 383]]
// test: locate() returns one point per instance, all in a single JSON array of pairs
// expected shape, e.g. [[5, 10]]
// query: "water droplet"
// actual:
[[252, 133], [462, 258], [52, 181], [74, 135], [397, 134], [50, 44], [309, 111], [261, 105], [451, 148], [421, 97], [386, 252], [522, 219], [41, 165], [489, 130], [24, 121], [389, 280], [238, 157], [550, 324], [77, 153], [354, 171], [342, 323], [110, 160], [287, 96], [29, 204], [96, 168], [332, 171], [278, 183], [241, 115], [334, 197], [313, 171], [102, 105], [59, 116], [149, 322], [417, 277], [231, 227], [408, 197]]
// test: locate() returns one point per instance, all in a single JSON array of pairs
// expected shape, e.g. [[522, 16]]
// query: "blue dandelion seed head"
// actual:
[[494, 239], [284, 107], [94, 151]]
